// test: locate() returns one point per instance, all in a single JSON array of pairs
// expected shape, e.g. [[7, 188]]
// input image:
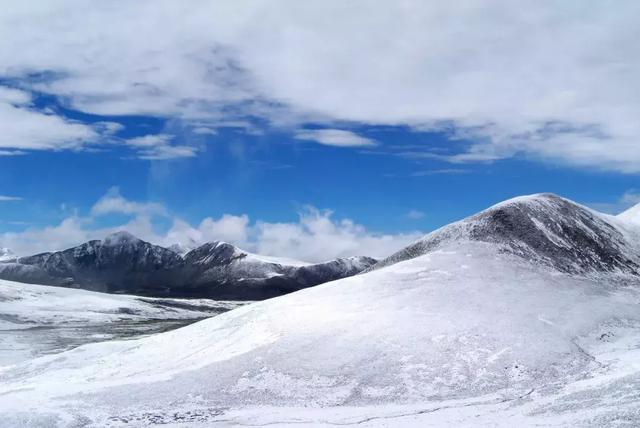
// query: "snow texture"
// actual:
[[37, 319], [632, 215], [523, 315]]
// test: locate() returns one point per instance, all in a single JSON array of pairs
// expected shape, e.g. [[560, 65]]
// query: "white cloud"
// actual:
[[316, 236], [443, 171], [14, 96], [5, 198], [552, 81], [203, 130], [24, 128], [158, 147], [12, 153], [414, 214], [167, 152], [108, 128], [69, 232], [114, 203], [334, 137], [150, 140], [228, 228]]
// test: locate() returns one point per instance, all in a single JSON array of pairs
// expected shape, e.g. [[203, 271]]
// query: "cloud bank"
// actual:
[[551, 81], [316, 236]]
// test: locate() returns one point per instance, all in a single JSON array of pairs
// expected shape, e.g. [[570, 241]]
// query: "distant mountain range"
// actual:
[[122, 263]]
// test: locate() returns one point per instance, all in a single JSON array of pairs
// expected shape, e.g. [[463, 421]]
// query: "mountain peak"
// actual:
[[182, 249], [120, 238], [546, 228], [533, 199]]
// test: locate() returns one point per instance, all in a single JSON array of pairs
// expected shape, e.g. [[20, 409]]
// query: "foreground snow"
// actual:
[[428, 333], [471, 333], [37, 319], [28, 304]]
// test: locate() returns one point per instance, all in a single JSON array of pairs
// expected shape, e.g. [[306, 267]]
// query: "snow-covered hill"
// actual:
[[545, 229], [37, 319], [632, 215], [122, 263], [29, 305], [526, 314]]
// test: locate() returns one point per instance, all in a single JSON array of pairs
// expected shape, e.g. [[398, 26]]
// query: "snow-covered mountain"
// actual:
[[181, 249], [122, 263], [545, 229], [260, 277], [632, 215], [525, 314]]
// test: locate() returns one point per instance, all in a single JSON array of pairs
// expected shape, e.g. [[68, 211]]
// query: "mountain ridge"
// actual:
[[543, 227], [123, 263]]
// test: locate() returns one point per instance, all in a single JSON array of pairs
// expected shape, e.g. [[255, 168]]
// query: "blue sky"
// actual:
[[288, 125]]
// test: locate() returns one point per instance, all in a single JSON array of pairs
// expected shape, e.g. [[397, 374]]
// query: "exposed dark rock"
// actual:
[[544, 228], [122, 263]]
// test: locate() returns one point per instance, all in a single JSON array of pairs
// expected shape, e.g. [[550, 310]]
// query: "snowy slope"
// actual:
[[30, 304], [122, 263], [632, 215], [471, 332], [37, 320], [545, 229]]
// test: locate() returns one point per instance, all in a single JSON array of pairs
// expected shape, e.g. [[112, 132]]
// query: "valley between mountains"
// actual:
[[525, 314]]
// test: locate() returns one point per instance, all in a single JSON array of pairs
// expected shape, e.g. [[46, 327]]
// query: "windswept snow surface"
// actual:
[[449, 327], [632, 215], [40, 304], [37, 319], [469, 333]]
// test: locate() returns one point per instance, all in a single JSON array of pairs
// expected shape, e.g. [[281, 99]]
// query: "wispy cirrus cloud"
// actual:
[[334, 137], [5, 198], [440, 171], [159, 147], [414, 215]]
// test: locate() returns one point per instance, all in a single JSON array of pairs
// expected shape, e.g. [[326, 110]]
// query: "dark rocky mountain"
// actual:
[[545, 229], [122, 263]]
